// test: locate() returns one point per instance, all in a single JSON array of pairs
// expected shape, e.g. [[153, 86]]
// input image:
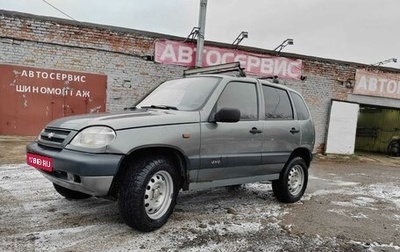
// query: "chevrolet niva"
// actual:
[[196, 132]]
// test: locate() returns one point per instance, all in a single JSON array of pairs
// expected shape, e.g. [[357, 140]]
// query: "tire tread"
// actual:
[[131, 194], [280, 187]]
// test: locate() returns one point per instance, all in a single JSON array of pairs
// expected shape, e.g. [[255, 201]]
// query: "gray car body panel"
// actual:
[[127, 120]]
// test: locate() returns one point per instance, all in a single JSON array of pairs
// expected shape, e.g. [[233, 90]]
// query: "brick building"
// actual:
[[126, 58]]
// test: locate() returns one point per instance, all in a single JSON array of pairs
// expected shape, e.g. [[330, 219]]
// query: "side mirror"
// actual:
[[227, 115]]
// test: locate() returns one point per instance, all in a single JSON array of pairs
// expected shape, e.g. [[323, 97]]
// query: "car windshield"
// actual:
[[180, 94]]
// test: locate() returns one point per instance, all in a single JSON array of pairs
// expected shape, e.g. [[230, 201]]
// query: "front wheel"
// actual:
[[292, 181], [148, 193]]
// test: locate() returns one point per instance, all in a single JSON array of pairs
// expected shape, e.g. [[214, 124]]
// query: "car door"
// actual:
[[282, 131], [232, 150]]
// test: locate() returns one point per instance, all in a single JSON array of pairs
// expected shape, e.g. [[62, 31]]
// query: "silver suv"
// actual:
[[196, 132]]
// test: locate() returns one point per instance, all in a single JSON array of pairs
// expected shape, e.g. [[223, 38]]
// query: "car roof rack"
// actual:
[[215, 69], [273, 79]]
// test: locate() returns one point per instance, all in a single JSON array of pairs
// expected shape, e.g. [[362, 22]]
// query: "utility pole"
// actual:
[[200, 37]]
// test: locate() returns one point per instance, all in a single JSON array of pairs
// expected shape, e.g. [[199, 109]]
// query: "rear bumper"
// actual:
[[79, 171]]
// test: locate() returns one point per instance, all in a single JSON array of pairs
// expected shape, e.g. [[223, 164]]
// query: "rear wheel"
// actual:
[[70, 194], [148, 193], [292, 182]]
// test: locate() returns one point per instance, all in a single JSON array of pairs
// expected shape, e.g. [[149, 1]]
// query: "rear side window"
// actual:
[[240, 95], [301, 108], [277, 104]]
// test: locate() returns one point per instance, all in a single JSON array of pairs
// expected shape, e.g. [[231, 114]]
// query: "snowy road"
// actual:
[[348, 206]]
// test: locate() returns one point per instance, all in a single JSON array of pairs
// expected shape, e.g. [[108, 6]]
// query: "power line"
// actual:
[[59, 10]]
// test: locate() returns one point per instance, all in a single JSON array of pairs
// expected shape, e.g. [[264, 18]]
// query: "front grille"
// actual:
[[55, 138]]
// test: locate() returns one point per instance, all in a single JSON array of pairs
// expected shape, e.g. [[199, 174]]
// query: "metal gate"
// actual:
[[31, 97]]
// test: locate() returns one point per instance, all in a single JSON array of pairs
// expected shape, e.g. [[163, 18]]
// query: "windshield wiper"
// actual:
[[130, 108], [160, 107]]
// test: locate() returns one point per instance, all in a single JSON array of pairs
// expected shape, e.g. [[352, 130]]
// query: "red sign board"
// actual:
[[377, 84], [31, 97], [184, 54]]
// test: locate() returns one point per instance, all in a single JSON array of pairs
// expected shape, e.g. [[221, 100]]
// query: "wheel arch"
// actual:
[[175, 156], [304, 153]]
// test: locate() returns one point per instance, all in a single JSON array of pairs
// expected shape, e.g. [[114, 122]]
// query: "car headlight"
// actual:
[[94, 137]]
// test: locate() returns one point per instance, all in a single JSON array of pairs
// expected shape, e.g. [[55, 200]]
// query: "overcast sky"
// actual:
[[364, 31]]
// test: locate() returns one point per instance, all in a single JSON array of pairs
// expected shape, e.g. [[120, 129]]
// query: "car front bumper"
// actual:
[[89, 173]]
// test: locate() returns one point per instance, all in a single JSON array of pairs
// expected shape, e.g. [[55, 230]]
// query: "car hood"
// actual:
[[127, 119]]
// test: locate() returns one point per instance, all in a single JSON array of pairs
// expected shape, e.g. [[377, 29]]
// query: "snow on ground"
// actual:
[[33, 217], [34, 213]]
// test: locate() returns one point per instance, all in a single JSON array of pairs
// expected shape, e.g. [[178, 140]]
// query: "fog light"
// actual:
[[70, 177]]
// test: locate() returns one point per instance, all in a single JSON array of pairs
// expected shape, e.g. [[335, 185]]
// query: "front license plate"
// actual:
[[39, 162]]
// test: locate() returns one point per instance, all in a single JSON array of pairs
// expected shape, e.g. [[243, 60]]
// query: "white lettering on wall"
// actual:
[[180, 53], [168, 54], [65, 91], [185, 54], [53, 76]]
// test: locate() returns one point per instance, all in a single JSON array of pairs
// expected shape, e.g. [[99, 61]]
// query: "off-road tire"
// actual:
[[292, 181], [148, 193], [70, 194]]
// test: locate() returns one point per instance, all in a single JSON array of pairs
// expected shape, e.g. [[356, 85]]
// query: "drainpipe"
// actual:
[[200, 37]]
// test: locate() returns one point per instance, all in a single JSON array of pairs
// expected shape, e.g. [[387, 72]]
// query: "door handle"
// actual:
[[254, 131], [294, 131]]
